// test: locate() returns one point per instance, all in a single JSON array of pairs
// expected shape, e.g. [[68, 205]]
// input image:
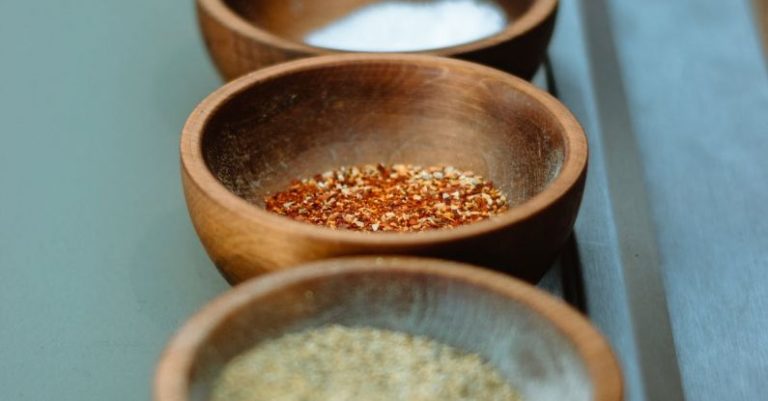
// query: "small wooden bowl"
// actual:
[[245, 35], [255, 135], [545, 349]]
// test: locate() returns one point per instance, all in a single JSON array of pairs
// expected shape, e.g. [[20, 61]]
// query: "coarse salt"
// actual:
[[391, 26]]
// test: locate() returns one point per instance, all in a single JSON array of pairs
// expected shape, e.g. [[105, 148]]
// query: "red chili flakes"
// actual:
[[397, 198]]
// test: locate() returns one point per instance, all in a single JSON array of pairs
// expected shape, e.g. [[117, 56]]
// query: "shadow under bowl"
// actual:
[[256, 135], [245, 35], [545, 349]]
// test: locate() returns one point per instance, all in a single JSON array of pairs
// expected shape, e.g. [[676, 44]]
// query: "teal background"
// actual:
[[99, 263]]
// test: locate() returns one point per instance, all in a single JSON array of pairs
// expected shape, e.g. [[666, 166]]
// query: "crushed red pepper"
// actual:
[[397, 198]]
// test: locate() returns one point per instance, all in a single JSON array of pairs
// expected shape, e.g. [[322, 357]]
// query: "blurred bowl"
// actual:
[[256, 135], [545, 349], [245, 35]]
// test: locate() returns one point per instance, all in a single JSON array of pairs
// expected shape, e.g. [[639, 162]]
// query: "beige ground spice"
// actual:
[[337, 363]]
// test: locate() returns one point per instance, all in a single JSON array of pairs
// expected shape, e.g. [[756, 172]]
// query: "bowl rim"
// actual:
[[194, 165], [175, 364], [536, 14]]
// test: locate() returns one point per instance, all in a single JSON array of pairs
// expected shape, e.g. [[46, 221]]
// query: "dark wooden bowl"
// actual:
[[245, 35], [547, 350], [255, 135]]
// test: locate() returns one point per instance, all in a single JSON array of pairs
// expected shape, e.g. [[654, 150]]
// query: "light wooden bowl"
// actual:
[[255, 135], [245, 35], [546, 350]]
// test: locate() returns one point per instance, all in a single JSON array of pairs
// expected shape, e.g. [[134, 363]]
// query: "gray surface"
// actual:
[[606, 301], [697, 95], [640, 266], [99, 264], [699, 98]]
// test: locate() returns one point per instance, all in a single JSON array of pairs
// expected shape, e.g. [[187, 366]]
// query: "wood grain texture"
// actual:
[[257, 134], [242, 36], [545, 349]]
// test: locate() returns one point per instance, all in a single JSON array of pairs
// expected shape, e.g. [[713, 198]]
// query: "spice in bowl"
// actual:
[[345, 364], [396, 26], [400, 198]]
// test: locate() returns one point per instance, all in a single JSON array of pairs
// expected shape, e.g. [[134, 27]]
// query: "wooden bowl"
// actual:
[[545, 349], [245, 35], [255, 135]]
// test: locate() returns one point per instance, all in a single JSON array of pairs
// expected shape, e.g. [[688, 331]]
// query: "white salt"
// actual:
[[392, 26]]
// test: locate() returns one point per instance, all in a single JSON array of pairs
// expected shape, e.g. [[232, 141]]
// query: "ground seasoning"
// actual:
[[351, 364], [397, 198]]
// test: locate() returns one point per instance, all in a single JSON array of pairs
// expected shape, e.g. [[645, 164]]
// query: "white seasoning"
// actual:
[[391, 26]]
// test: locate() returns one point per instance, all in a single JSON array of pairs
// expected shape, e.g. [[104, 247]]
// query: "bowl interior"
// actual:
[[294, 19], [536, 358], [309, 120]]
